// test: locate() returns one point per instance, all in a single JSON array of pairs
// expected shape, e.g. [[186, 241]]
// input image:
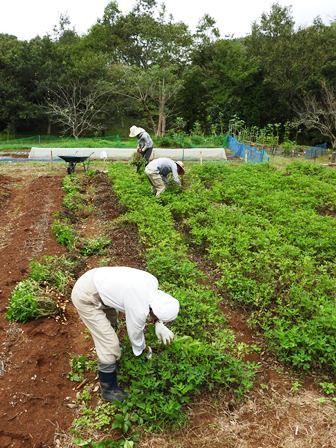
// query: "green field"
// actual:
[[270, 236], [264, 238]]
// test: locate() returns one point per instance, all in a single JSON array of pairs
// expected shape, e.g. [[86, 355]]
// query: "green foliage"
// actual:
[[70, 183], [288, 147], [83, 396], [128, 442], [161, 386], [95, 246], [198, 77], [103, 416], [173, 139], [138, 161], [27, 302], [273, 250], [328, 388], [200, 359], [56, 271], [64, 233], [197, 129], [311, 169], [46, 141], [80, 364], [23, 303], [73, 200], [296, 386]]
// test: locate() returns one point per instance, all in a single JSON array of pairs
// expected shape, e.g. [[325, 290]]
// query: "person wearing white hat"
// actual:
[[157, 172], [145, 143], [133, 292]]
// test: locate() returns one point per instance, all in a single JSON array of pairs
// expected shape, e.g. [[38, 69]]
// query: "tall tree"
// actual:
[[16, 83], [145, 36], [271, 46], [154, 91], [221, 81], [318, 111], [77, 111]]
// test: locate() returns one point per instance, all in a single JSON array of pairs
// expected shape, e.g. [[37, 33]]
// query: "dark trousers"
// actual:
[[146, 155]]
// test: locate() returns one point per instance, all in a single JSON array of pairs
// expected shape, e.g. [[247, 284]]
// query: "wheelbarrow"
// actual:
[[73, 160]]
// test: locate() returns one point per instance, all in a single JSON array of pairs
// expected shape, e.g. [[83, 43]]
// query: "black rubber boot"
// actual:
[[109, 387]]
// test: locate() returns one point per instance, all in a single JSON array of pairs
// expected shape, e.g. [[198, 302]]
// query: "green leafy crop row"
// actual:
[[75, 202], [273, 245], [29, 299], [201, 357]]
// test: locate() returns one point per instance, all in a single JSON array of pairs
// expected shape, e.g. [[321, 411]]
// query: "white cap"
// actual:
[[134, 131], [164, 306], [181, 165]]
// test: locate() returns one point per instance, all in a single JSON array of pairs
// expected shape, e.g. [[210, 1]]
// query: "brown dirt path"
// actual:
[[126, 249], [34, 357]]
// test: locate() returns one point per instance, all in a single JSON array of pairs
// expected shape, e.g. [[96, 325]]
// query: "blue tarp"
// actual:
[[247, 152], [316, 151]]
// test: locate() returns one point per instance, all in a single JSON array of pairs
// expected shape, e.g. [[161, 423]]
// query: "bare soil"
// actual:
[[126, 249], [34, 357]]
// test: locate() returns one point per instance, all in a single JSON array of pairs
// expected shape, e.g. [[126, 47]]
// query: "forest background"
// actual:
[[144, 68]]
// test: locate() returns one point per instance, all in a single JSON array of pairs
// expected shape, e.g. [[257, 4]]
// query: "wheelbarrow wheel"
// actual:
[[71, 168]]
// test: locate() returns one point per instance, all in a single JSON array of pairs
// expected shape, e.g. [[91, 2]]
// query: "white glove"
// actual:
[[163, 333], [149, 352]]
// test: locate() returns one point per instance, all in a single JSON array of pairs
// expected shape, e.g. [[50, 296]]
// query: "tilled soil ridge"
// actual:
[[34, 357]]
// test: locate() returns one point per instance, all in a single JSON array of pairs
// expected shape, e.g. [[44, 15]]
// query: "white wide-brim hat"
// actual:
[[134, 131], [181, 165], [164, 306]]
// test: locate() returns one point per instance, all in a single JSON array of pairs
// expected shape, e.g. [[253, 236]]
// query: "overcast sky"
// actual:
[[29, 18]]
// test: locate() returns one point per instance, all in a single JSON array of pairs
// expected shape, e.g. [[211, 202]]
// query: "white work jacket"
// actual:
[[127, 290]]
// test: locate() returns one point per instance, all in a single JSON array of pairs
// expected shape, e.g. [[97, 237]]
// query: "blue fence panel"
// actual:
[[252, 154], [236, 147], [316, 151]]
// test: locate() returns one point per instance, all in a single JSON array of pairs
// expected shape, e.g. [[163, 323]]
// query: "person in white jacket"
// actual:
[[133, 292]]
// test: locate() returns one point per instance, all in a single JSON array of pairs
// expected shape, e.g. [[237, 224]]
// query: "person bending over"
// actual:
[[157, 172], [133, 292]]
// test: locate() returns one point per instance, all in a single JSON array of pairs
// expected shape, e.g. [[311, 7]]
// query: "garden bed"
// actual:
[[141, 230]]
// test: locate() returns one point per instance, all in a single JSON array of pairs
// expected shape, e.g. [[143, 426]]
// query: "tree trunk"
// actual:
[[74, 133], [161, 129], [333, 143], [158, 129], [49, 127]]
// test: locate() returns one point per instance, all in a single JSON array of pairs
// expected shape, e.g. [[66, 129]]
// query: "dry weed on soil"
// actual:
[[265, 420]]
